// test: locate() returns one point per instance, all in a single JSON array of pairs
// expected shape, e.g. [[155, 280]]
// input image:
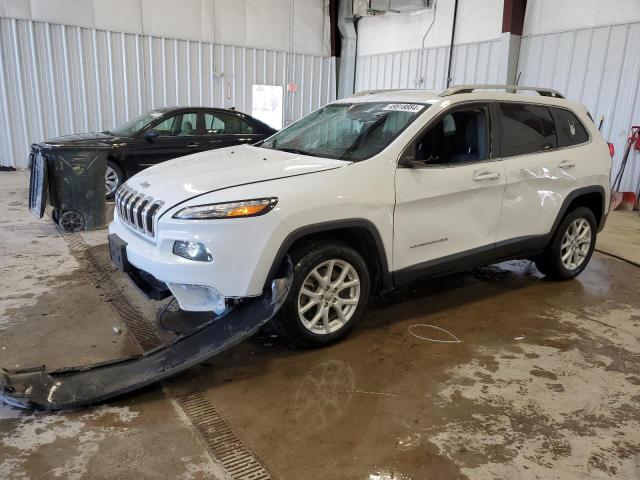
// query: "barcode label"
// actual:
[[403, 107]]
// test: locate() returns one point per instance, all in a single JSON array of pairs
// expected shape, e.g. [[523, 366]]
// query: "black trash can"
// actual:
[[72, 178]]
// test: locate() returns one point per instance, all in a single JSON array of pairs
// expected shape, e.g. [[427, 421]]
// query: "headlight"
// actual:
[[241, 208], [192, 251]]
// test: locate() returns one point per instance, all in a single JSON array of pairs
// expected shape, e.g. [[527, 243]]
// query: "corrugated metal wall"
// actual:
[[471, 63], [599, 67], [57, 79]]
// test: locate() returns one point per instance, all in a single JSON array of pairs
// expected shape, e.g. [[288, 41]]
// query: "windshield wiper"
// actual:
[[108, 132], [296, 150]]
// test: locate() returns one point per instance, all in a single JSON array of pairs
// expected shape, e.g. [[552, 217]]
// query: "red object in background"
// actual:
[[292, 87], [637, 130], [629, 201], [612, 149]]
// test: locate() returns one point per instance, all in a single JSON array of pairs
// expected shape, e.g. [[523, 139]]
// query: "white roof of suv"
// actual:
[[481, 91]]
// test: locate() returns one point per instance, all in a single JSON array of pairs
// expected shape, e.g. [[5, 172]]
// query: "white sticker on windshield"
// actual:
[[403, 107]]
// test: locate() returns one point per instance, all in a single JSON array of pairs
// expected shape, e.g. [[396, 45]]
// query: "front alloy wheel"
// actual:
[[329, 297], [329, 292]]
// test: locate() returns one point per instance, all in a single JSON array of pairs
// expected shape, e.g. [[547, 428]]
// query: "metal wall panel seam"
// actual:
[[96, 67], [176, 65], [244, 79], [36, 80], [140, 68], [52, 79], [188, 50], [125, 76], [618, 81], [602, 70], [223, 80], [8, 144], [233, 77], [83, 90], [163, 50], [313, 71], [586, 66], [16, 52], [151, 81], [200, 99], [112, 88], [301, 90], [67, 76], [211, 72], [321, 82]]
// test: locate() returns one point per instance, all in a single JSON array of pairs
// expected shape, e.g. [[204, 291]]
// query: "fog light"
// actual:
[[192, 251]]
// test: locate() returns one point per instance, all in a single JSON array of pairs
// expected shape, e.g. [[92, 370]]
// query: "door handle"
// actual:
[[479, 176], [193, 145], [566, 164]]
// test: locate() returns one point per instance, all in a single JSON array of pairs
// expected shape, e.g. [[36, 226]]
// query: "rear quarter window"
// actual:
[[570, 130], [526, 129]]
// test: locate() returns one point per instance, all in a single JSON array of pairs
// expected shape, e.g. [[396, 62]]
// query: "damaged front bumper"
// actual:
[[75, 387]]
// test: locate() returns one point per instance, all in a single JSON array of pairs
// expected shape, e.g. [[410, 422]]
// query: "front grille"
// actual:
[[137, 210]]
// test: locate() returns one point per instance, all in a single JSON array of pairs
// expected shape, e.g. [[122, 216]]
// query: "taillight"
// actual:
[[612, 150]]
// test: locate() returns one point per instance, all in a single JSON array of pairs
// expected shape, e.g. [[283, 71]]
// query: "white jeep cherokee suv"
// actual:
[[366, 194]]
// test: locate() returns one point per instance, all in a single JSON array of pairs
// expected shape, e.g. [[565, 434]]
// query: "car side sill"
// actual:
[[521, 247]]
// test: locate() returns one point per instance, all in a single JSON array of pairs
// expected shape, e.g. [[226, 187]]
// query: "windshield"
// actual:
[[347, 131], [130, 128]]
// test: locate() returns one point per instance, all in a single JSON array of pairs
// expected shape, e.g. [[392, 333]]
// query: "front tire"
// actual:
[[329, 292], [571, 246]]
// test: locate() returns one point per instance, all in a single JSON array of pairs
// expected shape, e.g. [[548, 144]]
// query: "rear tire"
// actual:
[[113, 178], [571, 246], [329, 292]]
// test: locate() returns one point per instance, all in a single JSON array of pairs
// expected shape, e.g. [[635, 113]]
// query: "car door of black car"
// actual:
[[173, 136], [223, 129]]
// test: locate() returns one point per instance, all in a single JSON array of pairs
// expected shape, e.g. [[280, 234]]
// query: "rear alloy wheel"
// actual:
[[112, 179], [571, 246], [329, 292], [575, 244]]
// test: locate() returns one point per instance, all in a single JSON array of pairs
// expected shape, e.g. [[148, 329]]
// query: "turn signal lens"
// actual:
[[246, 211], [612, 150], [239, 209]]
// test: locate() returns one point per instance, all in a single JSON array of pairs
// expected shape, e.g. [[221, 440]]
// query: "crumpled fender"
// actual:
[[79, 386]]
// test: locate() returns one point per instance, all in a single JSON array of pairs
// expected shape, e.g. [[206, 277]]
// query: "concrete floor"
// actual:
[[544, 381]]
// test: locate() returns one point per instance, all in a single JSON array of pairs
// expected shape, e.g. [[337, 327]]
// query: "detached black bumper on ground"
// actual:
[[75, 387]]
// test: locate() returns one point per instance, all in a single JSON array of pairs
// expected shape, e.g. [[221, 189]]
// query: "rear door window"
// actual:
[[570, 130], [220, 123], [526, 129]]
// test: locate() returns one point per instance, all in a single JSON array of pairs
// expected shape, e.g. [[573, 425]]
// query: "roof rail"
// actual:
[[545, 92], [371, 92]]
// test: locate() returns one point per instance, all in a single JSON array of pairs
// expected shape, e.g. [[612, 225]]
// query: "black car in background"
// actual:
[[166, 133]]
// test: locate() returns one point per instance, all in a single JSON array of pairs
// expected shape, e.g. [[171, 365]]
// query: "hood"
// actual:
[[83, 139], [187, 177]]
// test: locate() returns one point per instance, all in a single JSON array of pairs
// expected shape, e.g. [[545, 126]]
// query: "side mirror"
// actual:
[[407, 159], [151, 134]]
